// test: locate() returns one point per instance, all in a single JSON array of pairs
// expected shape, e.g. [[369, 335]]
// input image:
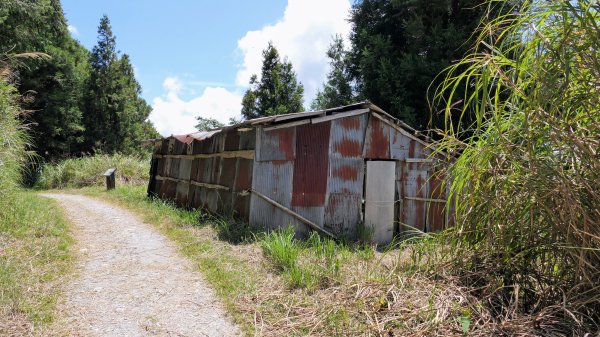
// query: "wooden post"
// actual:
[[110, 178]]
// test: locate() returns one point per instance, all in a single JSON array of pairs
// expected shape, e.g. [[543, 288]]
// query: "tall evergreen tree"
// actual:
[[277, 92], [52, 86], [399, 47], [206, 124], [337, 91], [116, 115]]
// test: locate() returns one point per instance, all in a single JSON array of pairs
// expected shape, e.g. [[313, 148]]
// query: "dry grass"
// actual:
[[372, 293], [34, 259]]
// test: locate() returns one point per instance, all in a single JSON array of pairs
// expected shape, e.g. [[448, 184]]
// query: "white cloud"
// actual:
[[73, 30], [173, 115], [303, 35]]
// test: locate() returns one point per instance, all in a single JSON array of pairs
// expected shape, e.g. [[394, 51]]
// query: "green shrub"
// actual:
[[87, 171], [525, 186]]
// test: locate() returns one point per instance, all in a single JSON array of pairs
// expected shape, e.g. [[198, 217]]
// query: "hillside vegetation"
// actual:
[[34, 240], [88, 171]]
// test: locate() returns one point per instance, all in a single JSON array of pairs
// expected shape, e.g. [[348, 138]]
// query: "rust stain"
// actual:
[[227, 175], [244, 175], [286, 141], [420, 205], [279, 162], [346, 173], [348, 148], [379, 142], [311, 165], [350, 123]]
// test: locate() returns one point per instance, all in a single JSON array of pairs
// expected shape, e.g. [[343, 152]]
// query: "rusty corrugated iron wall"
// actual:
[[309, 166], [209, 170]]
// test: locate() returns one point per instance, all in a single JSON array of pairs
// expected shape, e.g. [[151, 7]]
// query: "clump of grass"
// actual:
[[34, 259], [13, 136], [87, 171], [331, 289], [525, 186]]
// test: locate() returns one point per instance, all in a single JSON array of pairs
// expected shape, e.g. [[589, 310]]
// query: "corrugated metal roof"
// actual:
[[280, 119]]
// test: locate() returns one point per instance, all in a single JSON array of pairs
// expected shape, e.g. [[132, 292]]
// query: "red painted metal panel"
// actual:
[[377, 143], [311, 165], [243, 179], [227, 175]]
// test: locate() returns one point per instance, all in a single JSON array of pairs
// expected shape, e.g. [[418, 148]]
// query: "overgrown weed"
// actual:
[[88, 171]]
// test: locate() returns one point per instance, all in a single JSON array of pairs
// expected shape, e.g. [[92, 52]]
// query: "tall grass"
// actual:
[[13, 138], [526, 181], [87, 171], [34, 240]]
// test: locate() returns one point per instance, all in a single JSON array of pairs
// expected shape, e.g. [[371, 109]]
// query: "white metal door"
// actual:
[[379, 200]]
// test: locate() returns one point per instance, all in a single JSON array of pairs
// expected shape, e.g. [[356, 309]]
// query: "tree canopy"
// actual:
[[76, 102], [338, 89], [400, 46], [276, 92], [115, 117]]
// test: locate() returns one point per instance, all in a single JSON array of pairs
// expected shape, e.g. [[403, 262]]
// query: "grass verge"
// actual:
[[34, 259], [87, 171], [274, 285]]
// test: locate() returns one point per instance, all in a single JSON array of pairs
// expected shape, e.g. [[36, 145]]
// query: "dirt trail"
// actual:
[[131, 281]]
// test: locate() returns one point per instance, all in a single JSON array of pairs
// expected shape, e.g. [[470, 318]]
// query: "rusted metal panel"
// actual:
[[232, 140], [157, 188], [436, 210], [274, 179], [174, 171], [277, 144], [179, 147], [224, 204], [346, 175], [342, 213], [314, 214], [160, 170], [347, 136], [185, 169], [227, 174], [212, 200], [241, 206], [216, 170], [311, 165], [247, 139], [400, 145], [377, 140], [265, 215], [167, 169], [181, 196], [243, 179], [169, 190], [415, 185], [164, 146]]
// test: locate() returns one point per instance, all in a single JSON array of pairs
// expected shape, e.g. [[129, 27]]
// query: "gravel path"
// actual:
[[131, 281]]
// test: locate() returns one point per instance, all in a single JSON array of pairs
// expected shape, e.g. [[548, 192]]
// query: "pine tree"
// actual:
[[400, 46], [206, 124], [52, 86], [337, 91], [116, 115], [278, 90]]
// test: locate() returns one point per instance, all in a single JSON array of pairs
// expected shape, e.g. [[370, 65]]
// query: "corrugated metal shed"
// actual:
[[302, 169]]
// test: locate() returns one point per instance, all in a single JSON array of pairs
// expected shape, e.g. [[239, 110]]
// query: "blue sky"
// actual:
[[196, 57]]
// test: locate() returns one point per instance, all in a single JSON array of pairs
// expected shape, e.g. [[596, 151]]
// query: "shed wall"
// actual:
[[214, 173]]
